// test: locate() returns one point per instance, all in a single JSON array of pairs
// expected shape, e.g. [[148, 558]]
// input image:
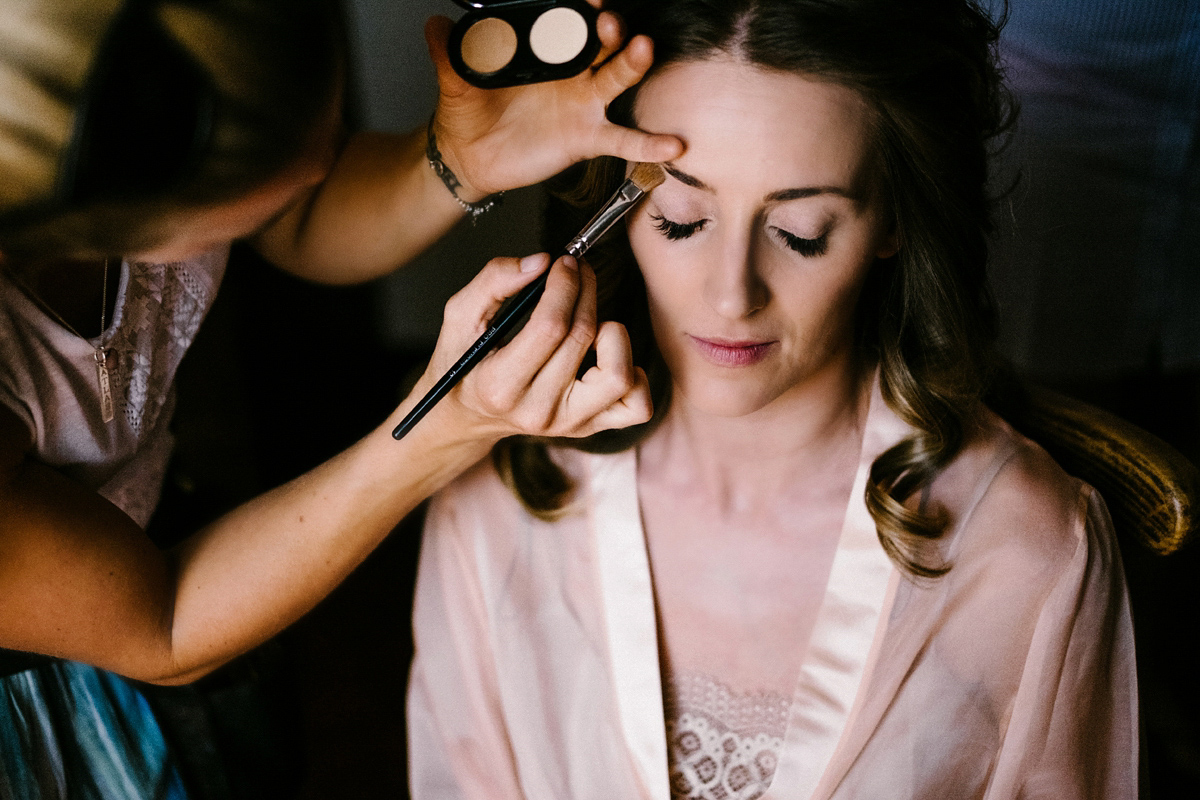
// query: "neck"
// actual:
[[807, 440], [71, 290]]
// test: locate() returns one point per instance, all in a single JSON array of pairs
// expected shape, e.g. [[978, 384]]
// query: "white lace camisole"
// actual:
[[722, 744]]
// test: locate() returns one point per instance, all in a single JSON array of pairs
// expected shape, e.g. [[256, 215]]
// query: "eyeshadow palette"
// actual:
[[512, 42]]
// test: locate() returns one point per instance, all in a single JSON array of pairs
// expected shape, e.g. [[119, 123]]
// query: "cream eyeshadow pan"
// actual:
[[489, 45], [513, 42], [558, 35]]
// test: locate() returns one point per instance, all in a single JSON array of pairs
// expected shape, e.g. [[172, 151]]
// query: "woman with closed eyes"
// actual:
[[824, 568]]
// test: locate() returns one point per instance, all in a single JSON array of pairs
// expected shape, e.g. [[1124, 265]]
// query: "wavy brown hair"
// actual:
[[927, 69]]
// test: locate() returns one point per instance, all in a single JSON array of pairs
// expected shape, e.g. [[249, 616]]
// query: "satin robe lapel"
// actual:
[[908, 635], [846, 639], [630, 618]]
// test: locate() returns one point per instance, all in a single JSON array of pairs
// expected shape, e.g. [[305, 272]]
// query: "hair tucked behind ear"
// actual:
[[928, 72]]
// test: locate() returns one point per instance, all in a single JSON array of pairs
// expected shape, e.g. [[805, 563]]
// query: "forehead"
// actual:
[[744, 125]]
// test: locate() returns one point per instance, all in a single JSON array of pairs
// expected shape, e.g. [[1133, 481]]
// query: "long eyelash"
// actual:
[[805, 247], [677, 230]]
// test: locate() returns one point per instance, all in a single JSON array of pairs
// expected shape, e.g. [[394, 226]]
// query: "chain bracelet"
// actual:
[[434, 157]]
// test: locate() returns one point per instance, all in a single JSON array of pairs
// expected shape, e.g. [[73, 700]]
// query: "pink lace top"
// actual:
[[48, 377]]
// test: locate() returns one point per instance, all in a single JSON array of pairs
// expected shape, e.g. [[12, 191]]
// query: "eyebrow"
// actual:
[[780, 196], [686, 179]]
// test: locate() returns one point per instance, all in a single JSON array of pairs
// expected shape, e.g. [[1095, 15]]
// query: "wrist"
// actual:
[[448, 168], [449, 427], [434, 453]]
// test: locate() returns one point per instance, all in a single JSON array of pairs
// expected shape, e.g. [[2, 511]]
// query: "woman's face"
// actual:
[[755, 248]]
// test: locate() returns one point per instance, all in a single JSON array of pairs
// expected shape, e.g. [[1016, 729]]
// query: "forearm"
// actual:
[[380, 206], [263, 565], [79, 580]]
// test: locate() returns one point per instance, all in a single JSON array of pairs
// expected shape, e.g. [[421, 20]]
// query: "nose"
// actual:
[[733, 285]]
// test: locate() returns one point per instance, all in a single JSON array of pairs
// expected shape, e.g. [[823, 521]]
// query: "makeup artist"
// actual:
[[137, 140]]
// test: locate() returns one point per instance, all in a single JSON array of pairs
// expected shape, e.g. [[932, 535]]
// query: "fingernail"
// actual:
[[570, 263], [532, 263]]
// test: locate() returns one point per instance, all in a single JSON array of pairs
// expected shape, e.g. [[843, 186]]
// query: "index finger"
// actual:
[[611, 32], [549, 325]]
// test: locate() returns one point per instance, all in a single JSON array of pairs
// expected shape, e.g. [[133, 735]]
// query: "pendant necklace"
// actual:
[[107, 409], [106, 402]]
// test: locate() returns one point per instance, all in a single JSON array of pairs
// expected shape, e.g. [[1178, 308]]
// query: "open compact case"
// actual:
[[511, 42]]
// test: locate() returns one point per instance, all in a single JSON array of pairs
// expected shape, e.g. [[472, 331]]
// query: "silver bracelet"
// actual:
[[434, 157]]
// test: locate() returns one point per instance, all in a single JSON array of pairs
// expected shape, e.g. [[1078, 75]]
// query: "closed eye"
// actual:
[[677, 230], [809, 248]]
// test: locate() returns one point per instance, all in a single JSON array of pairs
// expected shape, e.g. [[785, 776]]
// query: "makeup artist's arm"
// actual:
[[79, 579], [382, 204]]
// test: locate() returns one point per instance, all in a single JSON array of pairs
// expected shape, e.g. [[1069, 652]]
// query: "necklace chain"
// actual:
[[107, 408]]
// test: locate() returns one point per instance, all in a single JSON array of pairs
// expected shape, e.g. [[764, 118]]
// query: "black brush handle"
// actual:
[[626, 196], [507, 319]]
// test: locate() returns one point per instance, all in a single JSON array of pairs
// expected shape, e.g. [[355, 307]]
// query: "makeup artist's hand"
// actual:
[[529, 385], [499, 139]]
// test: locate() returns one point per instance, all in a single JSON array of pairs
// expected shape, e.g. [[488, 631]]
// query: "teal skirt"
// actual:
[[72, 732]]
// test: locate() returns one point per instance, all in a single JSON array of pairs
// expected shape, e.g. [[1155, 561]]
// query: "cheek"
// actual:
[[664, 272], [648, 256], [840, 303], [831, 306], [641, 240]]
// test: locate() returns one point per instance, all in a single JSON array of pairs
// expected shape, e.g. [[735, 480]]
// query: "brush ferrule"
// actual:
[[605, 218]]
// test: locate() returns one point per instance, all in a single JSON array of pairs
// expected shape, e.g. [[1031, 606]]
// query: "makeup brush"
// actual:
[[644, 177]]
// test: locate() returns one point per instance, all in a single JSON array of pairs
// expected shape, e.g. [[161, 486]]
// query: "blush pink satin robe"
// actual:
[[537, 667]]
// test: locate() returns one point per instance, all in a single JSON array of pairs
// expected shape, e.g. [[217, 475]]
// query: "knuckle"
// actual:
[[583, 327], [458, 307], [617, 388], [583, 333], [496, 400], [534, 420], [623, 382], [585, 316], [641, 407], [455, 303], [610, 383], [549, 328]]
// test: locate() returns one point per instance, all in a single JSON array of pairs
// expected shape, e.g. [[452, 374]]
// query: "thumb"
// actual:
[[635, 145], [476, 303], [437, 35]]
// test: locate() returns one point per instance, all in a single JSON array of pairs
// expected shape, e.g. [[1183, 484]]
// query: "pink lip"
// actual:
[[732, 354]]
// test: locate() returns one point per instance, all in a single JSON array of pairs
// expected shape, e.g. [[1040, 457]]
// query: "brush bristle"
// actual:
[[647, 175]]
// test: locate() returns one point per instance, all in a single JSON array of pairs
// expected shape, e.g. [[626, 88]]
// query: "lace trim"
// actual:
[[163, 308], [722, 744]]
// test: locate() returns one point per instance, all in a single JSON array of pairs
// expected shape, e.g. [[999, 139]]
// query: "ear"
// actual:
[[889, 246]]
